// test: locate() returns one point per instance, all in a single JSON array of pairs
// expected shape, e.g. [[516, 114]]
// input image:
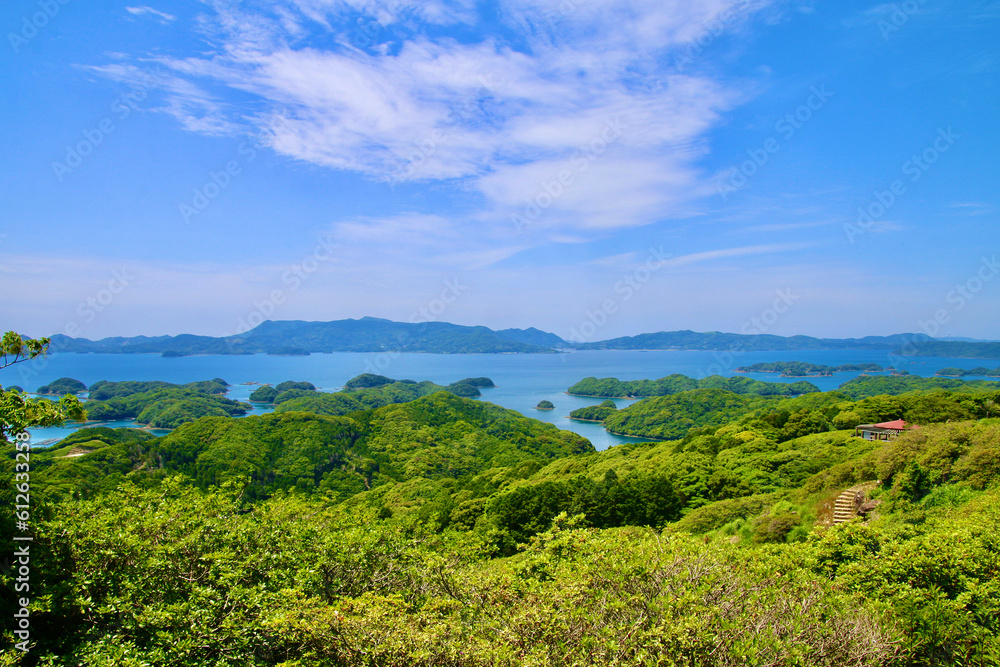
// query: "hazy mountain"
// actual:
[[370, 334], [715, 340]]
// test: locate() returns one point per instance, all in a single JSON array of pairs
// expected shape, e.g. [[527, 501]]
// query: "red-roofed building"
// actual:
[[883, 431]]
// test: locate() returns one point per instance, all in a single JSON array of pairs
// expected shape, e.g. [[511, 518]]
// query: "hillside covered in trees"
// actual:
[[441, 530]]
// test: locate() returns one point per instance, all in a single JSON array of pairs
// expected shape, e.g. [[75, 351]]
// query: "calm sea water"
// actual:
[[522, 379]]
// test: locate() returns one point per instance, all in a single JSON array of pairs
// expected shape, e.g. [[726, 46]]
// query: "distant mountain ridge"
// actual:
[[715, 340], [370, 334]]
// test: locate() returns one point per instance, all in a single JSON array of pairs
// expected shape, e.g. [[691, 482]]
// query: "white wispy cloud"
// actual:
[[974, 208], [426, 241], [726, 253], [569, 97], [163, 17]]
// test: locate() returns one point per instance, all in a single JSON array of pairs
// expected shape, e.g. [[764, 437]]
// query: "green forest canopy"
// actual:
[[450, 531]]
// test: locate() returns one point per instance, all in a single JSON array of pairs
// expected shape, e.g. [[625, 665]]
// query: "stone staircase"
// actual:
[[846, 506], [848, 503]]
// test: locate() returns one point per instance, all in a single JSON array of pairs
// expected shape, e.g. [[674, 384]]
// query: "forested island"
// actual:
[[791, 369], [936, 348], [443, 530], [672, 384], [717, 340], [161, 404], [62, 386], [981, 371]]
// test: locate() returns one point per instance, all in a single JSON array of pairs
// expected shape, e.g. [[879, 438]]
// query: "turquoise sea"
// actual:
[[522, 379]]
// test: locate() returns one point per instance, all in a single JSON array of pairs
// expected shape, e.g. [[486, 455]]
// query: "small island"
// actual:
[[289, 351], [61, 386], [545, 405]]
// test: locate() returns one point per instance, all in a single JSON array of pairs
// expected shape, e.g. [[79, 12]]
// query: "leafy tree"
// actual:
[[18, 412]]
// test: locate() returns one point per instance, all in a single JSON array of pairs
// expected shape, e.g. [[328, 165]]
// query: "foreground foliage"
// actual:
[[195, 578]]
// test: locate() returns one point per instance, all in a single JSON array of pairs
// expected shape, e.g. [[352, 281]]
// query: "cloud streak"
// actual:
[[162, 17]]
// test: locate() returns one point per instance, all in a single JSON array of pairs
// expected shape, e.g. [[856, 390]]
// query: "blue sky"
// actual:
[[825, 168]]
